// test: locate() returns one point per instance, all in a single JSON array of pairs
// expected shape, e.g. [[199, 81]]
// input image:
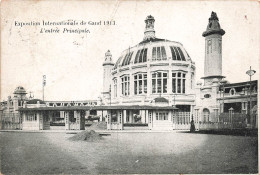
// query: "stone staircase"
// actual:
[[162, 125]]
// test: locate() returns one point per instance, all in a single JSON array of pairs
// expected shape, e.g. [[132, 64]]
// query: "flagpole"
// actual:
[[43, 84]]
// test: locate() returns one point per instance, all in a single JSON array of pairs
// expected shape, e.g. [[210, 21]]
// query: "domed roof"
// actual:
[[34, 101], [159, 49], [20, 90]]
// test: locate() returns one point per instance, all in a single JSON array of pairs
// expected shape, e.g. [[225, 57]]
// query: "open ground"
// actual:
[[127, 153]]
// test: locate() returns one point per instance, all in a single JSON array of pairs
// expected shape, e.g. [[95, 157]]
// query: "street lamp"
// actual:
[[250, 72]]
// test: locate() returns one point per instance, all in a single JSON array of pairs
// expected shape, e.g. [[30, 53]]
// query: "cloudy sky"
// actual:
[[72, 63]]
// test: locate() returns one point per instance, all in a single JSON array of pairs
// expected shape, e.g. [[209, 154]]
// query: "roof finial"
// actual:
[[149, 32], [213, 26]]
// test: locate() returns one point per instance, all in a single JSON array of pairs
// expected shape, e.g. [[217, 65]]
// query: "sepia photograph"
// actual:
[[129, 87]]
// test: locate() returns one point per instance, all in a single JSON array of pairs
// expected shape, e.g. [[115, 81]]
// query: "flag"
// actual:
[[44, 80]]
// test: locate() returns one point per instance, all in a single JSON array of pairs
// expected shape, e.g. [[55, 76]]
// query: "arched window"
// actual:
[[159, 53], [141, 56], [206, 115], [177, 53], [117, 62], [127, 59]]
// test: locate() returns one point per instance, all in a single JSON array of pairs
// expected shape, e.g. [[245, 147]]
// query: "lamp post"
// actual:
[[250, 72], [222, 83]]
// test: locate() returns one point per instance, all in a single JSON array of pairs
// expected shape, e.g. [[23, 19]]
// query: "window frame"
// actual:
[[179, 82], [125, 85], [159, 53], [140, 78], [159, 78]]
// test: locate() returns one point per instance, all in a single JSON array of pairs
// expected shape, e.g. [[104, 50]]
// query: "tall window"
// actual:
[[178, 82], [206, 115], [141, 56], [115, 87], [209, 46], [219, 45], [140, 83], [159, 82], [125, 85], [127, 59], [177, 53], [159, 53], [191, 80]]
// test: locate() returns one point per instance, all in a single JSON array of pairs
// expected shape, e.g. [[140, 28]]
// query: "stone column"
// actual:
[[169, 84], [142, 113], [149, 80], [146, 116], [150, 119], [119, 119], [108, 120], [124, 118], [66, 119], [130, 116]]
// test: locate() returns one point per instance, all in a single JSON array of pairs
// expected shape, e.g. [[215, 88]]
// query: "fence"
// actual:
[[182, 120], [10, 121], [225, 121]]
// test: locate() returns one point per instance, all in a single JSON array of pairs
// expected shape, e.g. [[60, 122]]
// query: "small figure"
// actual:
[[192, 126]]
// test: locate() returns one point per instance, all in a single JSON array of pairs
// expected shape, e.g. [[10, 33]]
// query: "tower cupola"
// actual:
[[149, 32], [108, 59], [213, 26]]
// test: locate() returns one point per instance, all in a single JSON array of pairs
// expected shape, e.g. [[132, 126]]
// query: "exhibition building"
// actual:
[[151, 86]]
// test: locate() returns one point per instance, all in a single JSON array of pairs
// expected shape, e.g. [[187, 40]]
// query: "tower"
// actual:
[[213, 50], [107, 68], [149, 32]]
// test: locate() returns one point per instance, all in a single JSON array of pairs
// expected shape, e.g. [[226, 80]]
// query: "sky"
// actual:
[[72, 62]]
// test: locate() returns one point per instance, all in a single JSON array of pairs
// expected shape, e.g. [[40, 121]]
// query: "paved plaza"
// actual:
[[127, 153]]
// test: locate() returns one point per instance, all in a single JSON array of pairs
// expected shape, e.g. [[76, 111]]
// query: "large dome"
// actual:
[[153, 68], [153, 49]]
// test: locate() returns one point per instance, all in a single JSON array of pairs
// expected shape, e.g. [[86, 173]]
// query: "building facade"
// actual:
[[152, 85], [155, 72]]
